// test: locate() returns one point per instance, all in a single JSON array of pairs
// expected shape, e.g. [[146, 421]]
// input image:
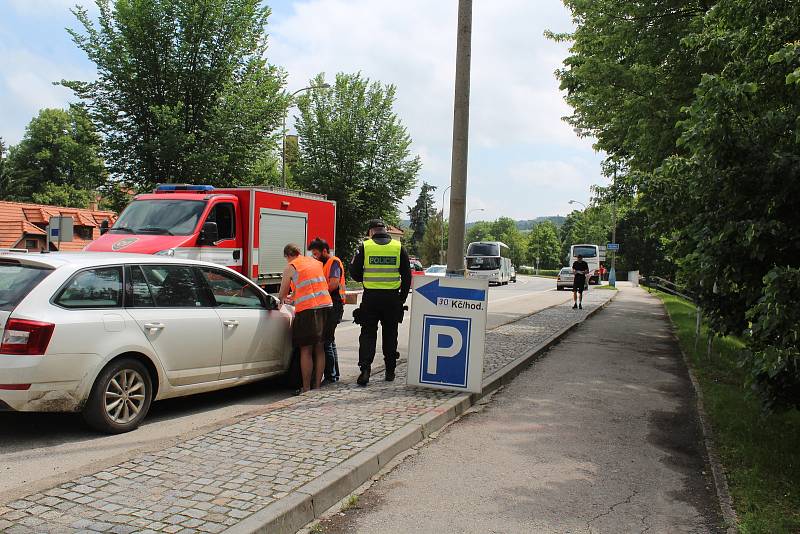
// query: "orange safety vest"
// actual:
[[311, 286], [327, 270]]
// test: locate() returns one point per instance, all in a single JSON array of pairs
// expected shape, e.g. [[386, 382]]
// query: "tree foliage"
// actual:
[[183, 90], [544, 246], [420, 214], [699, 102], [430, 249], [57, 161], [354, 149]]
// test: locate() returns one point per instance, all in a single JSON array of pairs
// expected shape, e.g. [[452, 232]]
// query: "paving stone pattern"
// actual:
[[213, 481]]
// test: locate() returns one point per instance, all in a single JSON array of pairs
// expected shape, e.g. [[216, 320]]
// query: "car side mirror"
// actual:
[[209, 235], [104, 226], [273, 303]]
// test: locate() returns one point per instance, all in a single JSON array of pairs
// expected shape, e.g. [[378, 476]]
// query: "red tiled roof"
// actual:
[[19, 219]]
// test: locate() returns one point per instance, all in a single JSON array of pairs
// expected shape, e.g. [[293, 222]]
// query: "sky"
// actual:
[[524, 160]]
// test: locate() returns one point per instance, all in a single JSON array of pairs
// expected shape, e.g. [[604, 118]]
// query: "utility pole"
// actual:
[[458, 171]]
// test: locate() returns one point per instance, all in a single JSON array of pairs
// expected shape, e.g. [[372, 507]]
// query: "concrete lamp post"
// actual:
[[441, 250], [291, 103], [576, 202]]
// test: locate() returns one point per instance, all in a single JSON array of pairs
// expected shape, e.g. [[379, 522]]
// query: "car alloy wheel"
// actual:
[[125, 396], [120, 397]]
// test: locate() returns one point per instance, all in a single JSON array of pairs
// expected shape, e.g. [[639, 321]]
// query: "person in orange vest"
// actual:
[[333, 269], [311, 301]]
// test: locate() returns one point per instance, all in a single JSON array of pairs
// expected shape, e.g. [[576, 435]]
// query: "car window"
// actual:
[[224, 215], [16, 281], [93, 288], [174, 286], [141, 296], [230, 291]]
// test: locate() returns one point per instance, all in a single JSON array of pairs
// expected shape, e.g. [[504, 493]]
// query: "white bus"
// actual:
[[591, 255], [489, 260]]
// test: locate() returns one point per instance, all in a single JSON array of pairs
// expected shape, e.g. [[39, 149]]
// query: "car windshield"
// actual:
[[483, 249], [16, 281], [566, 270], [586, 252], [167, 217], [435, 269], [482, 263]]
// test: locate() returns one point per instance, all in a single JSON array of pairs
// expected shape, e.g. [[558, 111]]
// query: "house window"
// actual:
[[85, 232], [31, 244]]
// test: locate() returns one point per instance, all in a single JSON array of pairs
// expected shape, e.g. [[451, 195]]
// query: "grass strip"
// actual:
[[761, 454]]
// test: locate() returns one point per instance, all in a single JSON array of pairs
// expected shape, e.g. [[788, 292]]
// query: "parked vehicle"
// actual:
[[436, 270], [416, 267], [489, 260], [565, 279], [242, 228], [107, 334], [591, 255]]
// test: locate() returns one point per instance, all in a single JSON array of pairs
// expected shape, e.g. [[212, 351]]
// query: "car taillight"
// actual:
[[29, 338], [559, 278]]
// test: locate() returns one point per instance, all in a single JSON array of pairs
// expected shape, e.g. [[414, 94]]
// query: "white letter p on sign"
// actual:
[[435, 351]]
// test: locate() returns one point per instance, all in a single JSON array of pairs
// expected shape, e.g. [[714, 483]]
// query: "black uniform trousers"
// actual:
[[379, 306]]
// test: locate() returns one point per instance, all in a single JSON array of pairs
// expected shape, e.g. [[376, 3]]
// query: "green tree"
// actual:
[[700, 104], [544, 245], [354, 149], [183, 90], [505, 229], [57, 160], [430, 248], [420, 214], [480, 231]]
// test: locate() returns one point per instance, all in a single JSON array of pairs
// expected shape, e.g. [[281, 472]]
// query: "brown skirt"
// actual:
[[308, 327]]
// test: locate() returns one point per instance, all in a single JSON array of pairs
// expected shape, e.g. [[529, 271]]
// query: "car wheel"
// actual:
[[120, 397]]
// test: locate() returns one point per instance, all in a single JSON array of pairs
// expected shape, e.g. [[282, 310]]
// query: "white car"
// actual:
[[436, 270], [106, 334]]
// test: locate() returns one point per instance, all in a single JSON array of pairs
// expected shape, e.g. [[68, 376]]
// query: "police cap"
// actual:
[[376, 223]]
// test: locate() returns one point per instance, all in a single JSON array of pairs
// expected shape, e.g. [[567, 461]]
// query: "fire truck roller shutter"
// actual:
[[276, 228]]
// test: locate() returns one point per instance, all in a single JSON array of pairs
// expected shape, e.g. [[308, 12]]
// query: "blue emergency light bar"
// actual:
[[183, 187]]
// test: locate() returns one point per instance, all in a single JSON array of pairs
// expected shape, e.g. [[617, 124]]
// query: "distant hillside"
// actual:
[[558, 220]]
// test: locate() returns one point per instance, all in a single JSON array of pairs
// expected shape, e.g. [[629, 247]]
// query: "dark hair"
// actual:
[[291, 250], [319, 244], [580, 256]]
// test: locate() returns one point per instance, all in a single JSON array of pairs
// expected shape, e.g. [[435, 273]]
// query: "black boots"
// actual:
[[390, 375], [363, 378]]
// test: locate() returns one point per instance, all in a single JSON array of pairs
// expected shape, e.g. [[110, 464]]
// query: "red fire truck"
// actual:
[[243, 228]]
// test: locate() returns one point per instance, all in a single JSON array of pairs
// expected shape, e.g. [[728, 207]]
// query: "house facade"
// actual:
[[24, 225]]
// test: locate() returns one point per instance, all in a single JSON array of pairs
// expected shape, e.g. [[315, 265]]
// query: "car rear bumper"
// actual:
[[51, 383]]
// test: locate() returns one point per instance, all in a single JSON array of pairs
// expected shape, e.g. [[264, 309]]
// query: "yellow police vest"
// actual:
[[381, 265]]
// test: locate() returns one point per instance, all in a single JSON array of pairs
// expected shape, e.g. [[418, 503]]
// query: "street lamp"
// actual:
[[441, 251], [291, 101], [576, 202]]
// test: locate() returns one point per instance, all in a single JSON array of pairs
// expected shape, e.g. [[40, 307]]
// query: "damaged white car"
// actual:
[[106, 334]]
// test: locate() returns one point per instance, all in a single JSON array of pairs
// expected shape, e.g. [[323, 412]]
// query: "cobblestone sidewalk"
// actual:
[[212, 482]]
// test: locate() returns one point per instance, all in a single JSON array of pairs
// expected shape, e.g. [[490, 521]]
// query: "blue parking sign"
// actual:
[[445, 350]]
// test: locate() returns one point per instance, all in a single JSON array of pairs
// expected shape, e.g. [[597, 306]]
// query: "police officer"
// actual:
[[382, 264]]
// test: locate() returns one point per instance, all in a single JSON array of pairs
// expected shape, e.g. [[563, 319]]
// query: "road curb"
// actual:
[[311, 500]]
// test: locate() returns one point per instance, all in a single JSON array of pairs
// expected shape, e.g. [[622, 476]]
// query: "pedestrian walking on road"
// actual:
[[581, 270], [311, 302], [383, 265], [333, 269]]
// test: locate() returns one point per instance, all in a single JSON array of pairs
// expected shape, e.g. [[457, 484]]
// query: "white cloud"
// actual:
[[47, 8]]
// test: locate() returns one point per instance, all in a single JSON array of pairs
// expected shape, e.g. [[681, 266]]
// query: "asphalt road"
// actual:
[[39, 447]]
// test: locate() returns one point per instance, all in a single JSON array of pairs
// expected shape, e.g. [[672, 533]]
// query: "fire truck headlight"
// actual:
[[166, 252]]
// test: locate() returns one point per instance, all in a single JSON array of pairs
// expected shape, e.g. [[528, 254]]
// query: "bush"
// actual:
[[542, 272], [774, 343]]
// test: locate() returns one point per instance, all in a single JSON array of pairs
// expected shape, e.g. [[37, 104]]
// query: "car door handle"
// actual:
[[154, 326], [230, 323]]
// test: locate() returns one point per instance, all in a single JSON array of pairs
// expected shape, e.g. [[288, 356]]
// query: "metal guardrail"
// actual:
[[667, 286]]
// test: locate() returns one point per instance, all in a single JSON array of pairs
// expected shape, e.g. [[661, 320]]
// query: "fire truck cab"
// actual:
[[242, 228]]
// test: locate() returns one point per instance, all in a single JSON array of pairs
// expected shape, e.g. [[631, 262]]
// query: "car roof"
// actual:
[[88, 259]]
